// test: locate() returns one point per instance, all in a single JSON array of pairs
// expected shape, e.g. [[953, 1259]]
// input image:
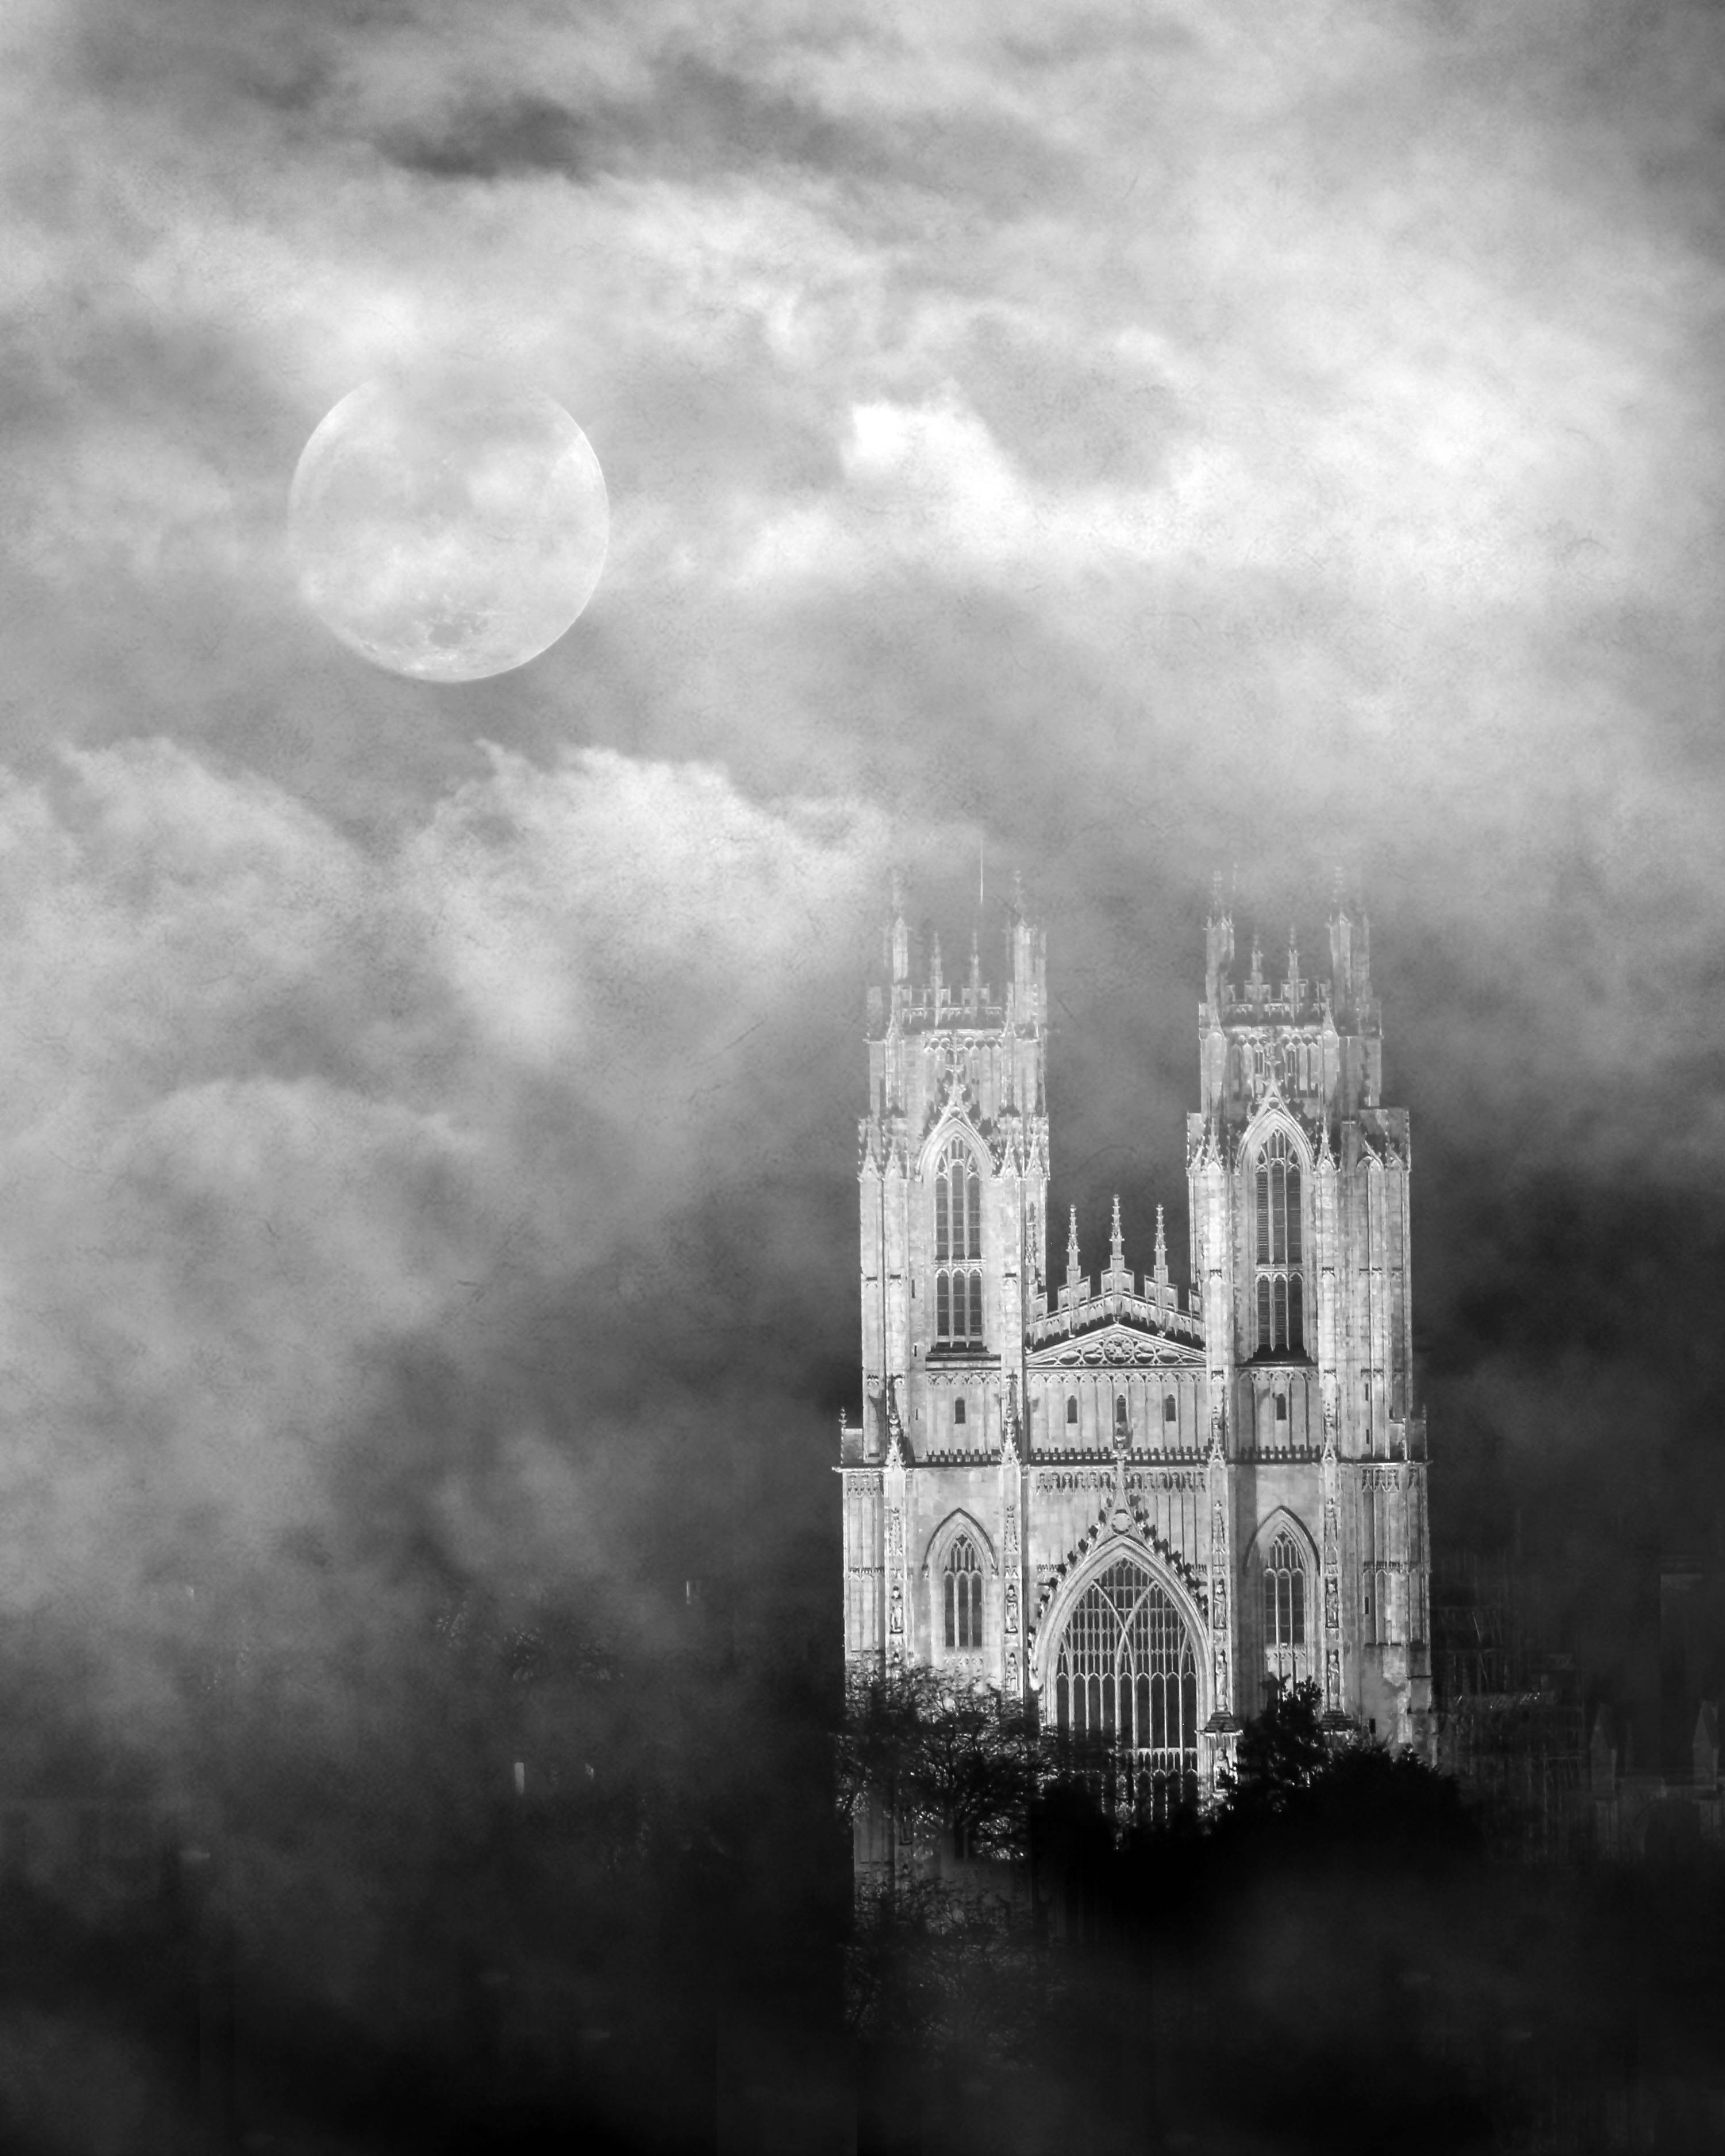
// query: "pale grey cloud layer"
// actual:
[[1140, 441]]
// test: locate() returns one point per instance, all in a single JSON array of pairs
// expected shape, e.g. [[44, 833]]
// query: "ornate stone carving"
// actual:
[[1142, 1532], [1052, 1481], [955, 1093], [1121, 1349], [897, 1452], [1010, 1447]]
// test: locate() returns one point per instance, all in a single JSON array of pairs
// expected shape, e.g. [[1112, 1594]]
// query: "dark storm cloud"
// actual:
[[718, 121]]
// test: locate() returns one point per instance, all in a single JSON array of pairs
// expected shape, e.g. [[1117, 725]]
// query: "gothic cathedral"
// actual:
[[1128, 1503]]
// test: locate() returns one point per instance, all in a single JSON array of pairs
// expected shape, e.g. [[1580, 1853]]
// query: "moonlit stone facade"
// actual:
[[1128, 1502]]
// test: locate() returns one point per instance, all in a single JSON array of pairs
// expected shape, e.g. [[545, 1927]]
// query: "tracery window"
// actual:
[[1377, 1553], [961, 1588], [958, 1249], [1279, 1276], [1284, 1596], [1126, 1672]]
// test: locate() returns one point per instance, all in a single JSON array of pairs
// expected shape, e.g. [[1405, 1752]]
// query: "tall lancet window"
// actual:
[[1279, 1254], [1284, 1610], [958, 1249], [961, 1588]]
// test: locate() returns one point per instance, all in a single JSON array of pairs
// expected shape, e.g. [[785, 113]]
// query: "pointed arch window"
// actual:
[[1279, 1250], [958, 1249], [957, 1206], [1071, 1410], [1126, 1672], [962, 1595], [1285, 1644]]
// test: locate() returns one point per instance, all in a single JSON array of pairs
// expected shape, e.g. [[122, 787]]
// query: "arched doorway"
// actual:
[[1125, 1680]]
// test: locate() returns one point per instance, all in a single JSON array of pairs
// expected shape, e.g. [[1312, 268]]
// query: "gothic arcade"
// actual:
[[1129, 1501]]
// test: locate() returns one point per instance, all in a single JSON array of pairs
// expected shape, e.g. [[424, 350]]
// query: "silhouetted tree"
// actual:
[[1340, 1788], [1281, 1753], [940, 1758]]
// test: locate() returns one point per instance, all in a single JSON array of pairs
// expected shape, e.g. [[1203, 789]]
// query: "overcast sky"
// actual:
[[1122, 441]]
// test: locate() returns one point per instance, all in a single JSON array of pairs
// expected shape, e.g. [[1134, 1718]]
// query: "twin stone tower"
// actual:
[[1125, 1502]]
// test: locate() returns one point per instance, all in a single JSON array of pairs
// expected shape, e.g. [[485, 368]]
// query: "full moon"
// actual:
[[446, 528]]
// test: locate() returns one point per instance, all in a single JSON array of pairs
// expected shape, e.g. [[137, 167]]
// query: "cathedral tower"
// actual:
[[1129, 1505], [1299, 1225], [954, 1179]]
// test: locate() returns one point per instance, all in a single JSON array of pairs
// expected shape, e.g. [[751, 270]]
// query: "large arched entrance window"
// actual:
[[1126, 1674]]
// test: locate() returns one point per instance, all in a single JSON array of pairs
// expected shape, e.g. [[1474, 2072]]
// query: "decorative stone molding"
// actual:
[[1139, 1532], [1220, 1568], [1330, 1567]]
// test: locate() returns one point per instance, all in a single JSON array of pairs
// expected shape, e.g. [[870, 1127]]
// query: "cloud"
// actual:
[[286, 1123], [1146, 441]]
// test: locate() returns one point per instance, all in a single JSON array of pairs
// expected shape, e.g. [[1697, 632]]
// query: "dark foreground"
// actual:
[[1170, 1995], [648, 1939]]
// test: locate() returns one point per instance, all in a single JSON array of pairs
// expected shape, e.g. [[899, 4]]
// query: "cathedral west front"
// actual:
[[1127, 1502]]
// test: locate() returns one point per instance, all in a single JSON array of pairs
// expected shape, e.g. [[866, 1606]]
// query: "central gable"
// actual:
[[1118, 1346]]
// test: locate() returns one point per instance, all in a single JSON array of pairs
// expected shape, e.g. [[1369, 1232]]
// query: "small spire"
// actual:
[[898, 934], [1342, 949], [975, 995], [1072, 1275], [1161, 1275], [1257, 972], [936, 978], [1116, 1246], [1218, 944]]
